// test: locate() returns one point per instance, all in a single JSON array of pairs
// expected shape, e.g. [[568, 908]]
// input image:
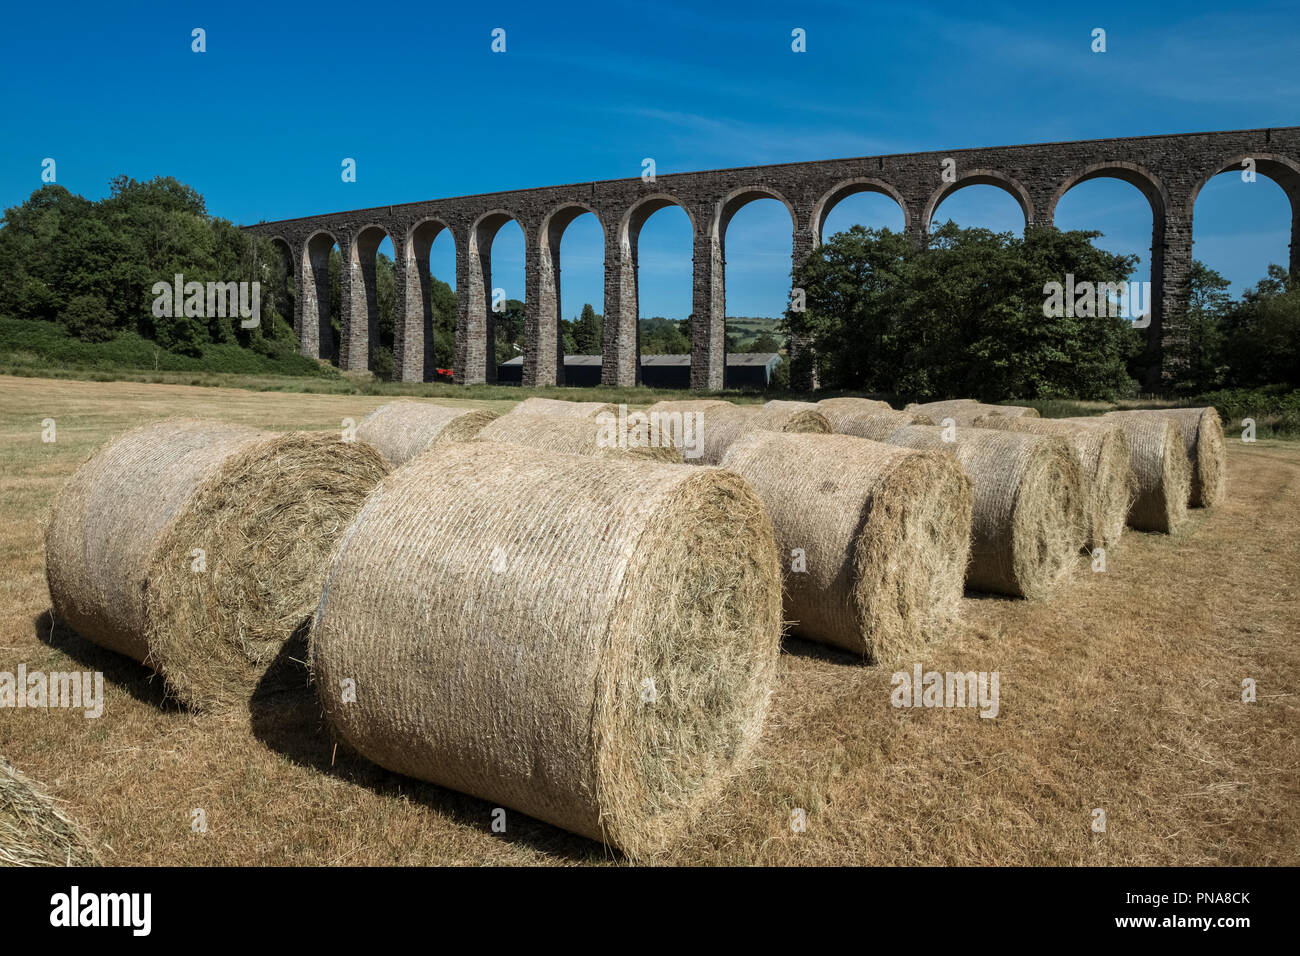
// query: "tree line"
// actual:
[[961, 314], [965, 314]]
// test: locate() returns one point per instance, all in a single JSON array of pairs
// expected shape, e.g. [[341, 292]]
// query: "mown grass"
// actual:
[[1123, 693]]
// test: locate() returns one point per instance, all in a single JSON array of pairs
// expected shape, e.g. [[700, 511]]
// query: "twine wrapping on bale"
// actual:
[[964, 411], [33, 830], [1162, 475], [859, 405], [1028, 520], [876, 425], [589, 641], [401, 430], [108, 519], [226, 549], [562, 409], [724, 424], [605, 438], [1202, 431], [875, 538], [940, 409], [780, 405], [690, 405], [1103, 457]]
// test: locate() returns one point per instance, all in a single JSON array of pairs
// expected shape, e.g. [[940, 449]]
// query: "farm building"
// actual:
[[744, 370]]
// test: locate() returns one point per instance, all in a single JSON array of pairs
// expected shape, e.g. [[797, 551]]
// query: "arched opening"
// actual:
[[1126, 219], [981, 201], [1244, 270], [863, 202], [1246, 219], [657, 244], [321, 294], [368, 339], [494, 308], [430, 321], [563, 318], [276, 276], [756, 240]]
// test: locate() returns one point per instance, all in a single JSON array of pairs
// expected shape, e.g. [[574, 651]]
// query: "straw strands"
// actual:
[[722, 425], [1202, 431], [964, 411], [1103, 457], [1162, 475], [401, 430], [597, 652], [875, 538], [875, 425], [199, 548], [1029, 521], [33, 830], [562, 409], [576, 436]]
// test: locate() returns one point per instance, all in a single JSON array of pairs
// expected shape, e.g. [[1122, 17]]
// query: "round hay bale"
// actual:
[[1202, 431], [199, 548], [1013, 411], [577, 436], [598, 650], [940, 408], [784, 405], [266, 522], [562, 409], [964, 411], [33, 830], [1103, 457], [1028, 520], [723, 425], [401, 430], [875, 425], [689, 405], [884, 534], [1162, 474], [859, 405], [108, 519]]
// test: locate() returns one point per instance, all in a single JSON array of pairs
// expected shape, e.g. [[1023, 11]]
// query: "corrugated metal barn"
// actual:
[[744, 370]]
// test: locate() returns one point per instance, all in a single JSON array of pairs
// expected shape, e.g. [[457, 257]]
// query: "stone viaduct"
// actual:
[[1170, 170]]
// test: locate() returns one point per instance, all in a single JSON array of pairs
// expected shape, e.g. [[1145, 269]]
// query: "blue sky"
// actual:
[[261, 122]]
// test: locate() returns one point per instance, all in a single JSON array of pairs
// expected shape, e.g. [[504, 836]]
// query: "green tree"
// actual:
[[509, 330], [660, 336], [1261, 334], [86, 317], [442, 301], [1199, 356], [961, 315], [588, 332]]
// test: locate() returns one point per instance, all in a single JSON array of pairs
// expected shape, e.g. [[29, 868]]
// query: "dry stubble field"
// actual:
[[1124, 693]]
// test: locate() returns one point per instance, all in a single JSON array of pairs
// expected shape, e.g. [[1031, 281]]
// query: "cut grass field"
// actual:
[[1122, 694]]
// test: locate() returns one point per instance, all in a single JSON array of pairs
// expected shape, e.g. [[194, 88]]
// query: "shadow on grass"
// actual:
[[286, 716], [799, 647], [133, 677]]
